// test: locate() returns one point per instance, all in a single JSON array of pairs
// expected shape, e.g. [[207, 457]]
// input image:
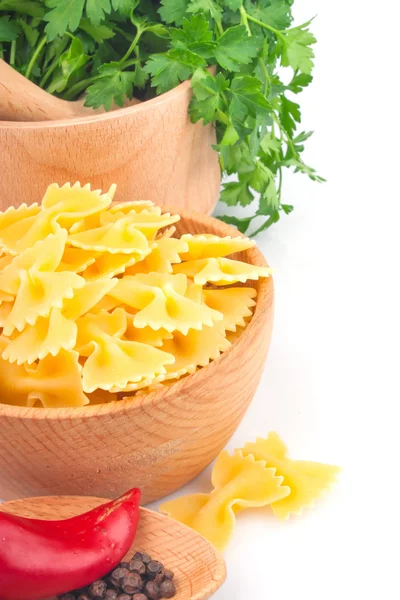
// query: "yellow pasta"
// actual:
[[235, 304], [206, 245], [307, 480], [239, 482], [220, 271], [257, 475], [195, 349], [105, 295], [119, 237], [165, 253], [113, 362], [48, 336], [55, 381]]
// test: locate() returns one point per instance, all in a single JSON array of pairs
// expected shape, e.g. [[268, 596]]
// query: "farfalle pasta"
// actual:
[[260, 474], [99, 300]]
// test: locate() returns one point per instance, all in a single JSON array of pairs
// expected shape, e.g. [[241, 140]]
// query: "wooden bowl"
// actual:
[[157, 442], [151, 150], [199, 569]]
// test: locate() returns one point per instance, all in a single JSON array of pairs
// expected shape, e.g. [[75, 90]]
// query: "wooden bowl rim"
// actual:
[[119, 113], [256, 257], [219, 575]]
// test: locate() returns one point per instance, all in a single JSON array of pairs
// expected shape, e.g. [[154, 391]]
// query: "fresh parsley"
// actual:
[[232, 50]]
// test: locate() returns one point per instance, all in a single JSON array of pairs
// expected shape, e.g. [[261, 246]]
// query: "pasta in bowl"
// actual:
[[131, 345]]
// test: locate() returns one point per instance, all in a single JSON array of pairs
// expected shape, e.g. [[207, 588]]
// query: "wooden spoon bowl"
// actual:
[[157, 442], [198, 567]]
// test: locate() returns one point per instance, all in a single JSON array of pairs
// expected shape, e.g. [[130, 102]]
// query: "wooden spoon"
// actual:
[[199, 569], [22, 100]]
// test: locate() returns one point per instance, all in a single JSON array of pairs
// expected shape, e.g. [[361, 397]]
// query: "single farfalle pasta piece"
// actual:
[[14, 225], [235, 304], [257, 475], [165, 252], [48, 336], [195, 349], [37, 287], [239, 482], [207, 245], [160, 301], [220, 271], [113, 362], [54, 382], [307, 480], [118, 237]]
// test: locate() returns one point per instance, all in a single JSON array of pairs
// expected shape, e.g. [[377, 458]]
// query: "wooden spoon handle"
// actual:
[[22, 100]]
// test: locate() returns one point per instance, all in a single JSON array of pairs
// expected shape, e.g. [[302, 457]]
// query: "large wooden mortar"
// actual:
[[151, 150]]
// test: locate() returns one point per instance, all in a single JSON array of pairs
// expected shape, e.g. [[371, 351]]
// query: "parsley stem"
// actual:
[[219, 27], [132, 46], [245, 20], [79, 87], [35, 56], [50, 70], [267, 82], [12, 52], [261, 24]]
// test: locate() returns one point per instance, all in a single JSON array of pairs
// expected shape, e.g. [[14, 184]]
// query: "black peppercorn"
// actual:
[[117, 576], [111, 594], [152, 590], [68, 597], [139, 597], [131, 583], [153, 568], [83, 596], [167, 589], [124, 597], [142, 556], [168, 574], [97, 589], [137, 566], [159, 578], [123, 565]]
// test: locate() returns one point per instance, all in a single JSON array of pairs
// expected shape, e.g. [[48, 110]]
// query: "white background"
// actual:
[[331, 383]]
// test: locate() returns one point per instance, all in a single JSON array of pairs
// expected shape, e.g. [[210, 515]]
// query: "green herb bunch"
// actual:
[[113, 49]]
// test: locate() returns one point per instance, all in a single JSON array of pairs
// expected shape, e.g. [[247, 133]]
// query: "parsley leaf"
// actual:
[[24, 7], [9, 30], [124, 6], [99, 33], [296, 49], [173, 11], [208, 102], [272, 12], [290, 115], [235, 48], [236, 192], [65, 15], [96, 10], [195, 35], [247, 97], [167, 71], [112, 85], [206, 6]]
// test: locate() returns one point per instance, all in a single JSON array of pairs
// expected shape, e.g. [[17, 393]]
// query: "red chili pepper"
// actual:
[[41, 558]]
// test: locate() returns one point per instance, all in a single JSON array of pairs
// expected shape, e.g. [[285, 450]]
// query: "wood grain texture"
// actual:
[[22, 100], [158, 441], [151, 150], [199, 569]]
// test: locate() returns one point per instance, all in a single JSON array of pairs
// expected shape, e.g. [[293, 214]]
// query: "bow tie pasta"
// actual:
[[100, 300]]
